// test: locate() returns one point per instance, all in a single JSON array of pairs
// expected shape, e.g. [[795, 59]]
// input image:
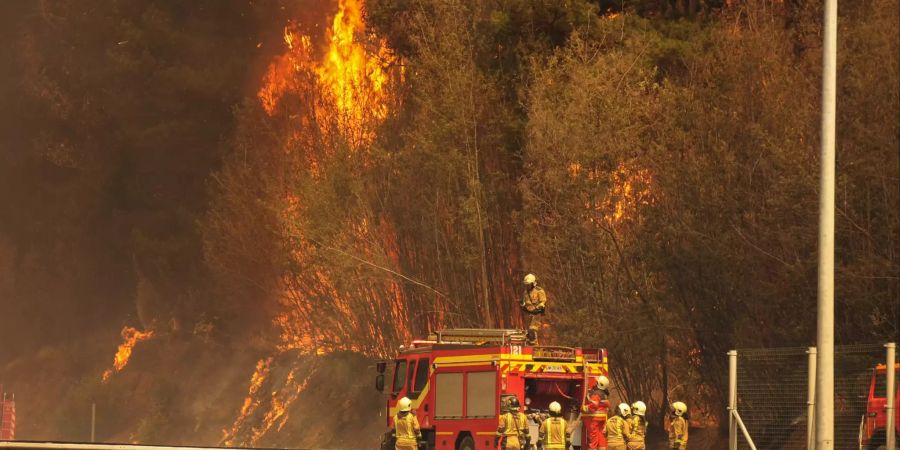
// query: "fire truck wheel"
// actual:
[[466, 443]]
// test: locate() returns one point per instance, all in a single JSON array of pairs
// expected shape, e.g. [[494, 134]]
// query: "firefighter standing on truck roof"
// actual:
[[636, 427], [533, 303], [615, 428], [406, 427], [594, 412], [512, 432], [678, 427], [554, 431]]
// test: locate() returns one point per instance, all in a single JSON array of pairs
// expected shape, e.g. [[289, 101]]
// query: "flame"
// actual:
[[352, 75], [130, 336], [348, 88], [353, 80], [630, 191]]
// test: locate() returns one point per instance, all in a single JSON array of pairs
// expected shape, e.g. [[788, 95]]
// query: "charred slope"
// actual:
[[185, 391]]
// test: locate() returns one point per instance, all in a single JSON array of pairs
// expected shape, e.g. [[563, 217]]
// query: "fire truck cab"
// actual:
[[873, 426], [458, 378]]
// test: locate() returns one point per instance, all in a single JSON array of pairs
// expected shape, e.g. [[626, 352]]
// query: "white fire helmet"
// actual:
[[602, 382], [639, 408], [405, 404], [530, 279], [555, 407], [624, 409], [679, 408]]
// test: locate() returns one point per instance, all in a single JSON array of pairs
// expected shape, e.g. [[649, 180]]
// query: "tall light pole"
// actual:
[[824, 424]]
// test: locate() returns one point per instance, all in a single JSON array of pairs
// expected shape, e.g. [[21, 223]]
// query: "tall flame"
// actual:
[[352, 78], [130, 336], [352, 82]]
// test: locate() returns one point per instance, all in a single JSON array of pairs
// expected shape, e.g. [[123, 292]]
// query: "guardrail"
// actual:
[[33, 445]]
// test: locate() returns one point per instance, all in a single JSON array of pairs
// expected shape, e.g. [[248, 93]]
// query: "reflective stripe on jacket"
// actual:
[[555, 433], [678, 432], [635, 429], [615, 430], [512, 426], [407, 429]]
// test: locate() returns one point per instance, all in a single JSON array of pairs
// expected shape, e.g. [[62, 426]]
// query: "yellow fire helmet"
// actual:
[[639, 408], [405, 404], [679, 408], [555, 407], [530, 279]]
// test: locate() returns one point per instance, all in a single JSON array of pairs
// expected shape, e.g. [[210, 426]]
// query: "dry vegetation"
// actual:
[[657, 167]]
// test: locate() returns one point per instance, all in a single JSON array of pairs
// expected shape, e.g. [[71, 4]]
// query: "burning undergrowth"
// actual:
[[299, 400]]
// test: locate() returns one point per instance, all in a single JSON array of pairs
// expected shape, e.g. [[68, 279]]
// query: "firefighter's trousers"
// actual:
[[593, 428], [636, 446], [406, 446], [512, 443], [616, 446]]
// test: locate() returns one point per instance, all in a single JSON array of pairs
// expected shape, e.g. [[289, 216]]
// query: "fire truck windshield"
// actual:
[[881, 384], [399, 376]]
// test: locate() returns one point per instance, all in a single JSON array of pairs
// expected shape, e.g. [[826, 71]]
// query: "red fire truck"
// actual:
[[873, 425], [458, 378], [7, 417]]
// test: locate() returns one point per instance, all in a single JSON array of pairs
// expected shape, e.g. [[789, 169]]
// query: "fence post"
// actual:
[[732, 399], [890, 412], [811, 400]]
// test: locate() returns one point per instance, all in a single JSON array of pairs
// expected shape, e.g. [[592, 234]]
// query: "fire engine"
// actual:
[[874, 423], [7, 417], [458, 378]]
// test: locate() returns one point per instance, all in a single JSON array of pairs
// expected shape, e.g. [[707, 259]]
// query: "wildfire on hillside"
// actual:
[[130, 338], [351, 81]]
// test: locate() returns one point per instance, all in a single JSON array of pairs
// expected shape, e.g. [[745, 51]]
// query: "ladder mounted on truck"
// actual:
[[478, 336]]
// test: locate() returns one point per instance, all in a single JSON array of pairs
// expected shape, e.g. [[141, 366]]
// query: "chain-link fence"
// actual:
[[774, 393]]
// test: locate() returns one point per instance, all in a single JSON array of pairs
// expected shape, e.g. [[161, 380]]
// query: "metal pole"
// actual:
[[732, 399], [891, 438], [824, 420], [811, 400], [744, 430], [93, 420]]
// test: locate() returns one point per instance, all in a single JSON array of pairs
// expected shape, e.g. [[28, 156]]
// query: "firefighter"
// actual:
[[615, 428], [678, 427], [512, 433], [554, 432], [406, 427], [533, 303], [636, 427], [594, 413]]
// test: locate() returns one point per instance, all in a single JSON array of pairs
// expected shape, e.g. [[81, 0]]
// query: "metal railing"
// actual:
[[774, 390], [32, 445]]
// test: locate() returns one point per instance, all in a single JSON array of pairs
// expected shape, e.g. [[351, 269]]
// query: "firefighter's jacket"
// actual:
[[514, 427], [535, 300], [554, 433], [635, 429], [615, 430], [406, 428], [678, 433]]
